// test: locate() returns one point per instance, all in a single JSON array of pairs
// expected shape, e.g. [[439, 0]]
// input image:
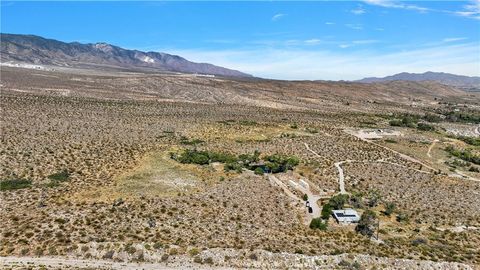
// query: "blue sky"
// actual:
[[283, 40]]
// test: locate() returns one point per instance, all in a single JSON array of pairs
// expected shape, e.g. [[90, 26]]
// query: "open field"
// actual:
[[96, 152]]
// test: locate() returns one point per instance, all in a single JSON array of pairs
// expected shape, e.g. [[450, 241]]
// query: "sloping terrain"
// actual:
[[464, 82], [89, 170], [256, 92], [37, 50]]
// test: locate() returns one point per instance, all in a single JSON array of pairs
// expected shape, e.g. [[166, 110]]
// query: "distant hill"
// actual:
[[464, 82], [37, 50]]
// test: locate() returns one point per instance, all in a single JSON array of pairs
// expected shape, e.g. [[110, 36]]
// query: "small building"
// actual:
[[304, 184], [293, 184], [346, 216]]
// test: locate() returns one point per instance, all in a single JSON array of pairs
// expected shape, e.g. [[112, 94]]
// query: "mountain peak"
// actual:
[[460, 81], [34, 49]]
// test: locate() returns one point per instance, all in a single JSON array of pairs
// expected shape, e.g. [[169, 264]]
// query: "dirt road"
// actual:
[[341, 178], [62, 263]]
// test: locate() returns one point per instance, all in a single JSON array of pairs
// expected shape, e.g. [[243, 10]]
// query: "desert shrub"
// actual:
[[61, 176], [464, 154], [248, 123], [108, 255], [470, 140], [249, 158], [406, 120], [259, 171], [467, 117], [311, 130], [193, 252], [186, 141], [474, 169], [402, 217], [419, 241], [368, 222], [13, 184], [317, 223], [425, 127], [220, 157], [356, 200], [233, 166], [305, 197], [432, 118], [395, 123], [389, 208], [373, 197]]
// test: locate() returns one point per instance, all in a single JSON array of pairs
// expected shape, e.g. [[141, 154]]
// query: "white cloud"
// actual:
[[358, 11], [365, 41], [354, 26], [312, 41], [472, 10], [277, 17], [453, 39], [337, 65], [329, 23], [396, 4]]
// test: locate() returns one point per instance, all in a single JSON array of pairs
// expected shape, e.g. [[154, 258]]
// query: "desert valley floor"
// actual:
[[96, 174]]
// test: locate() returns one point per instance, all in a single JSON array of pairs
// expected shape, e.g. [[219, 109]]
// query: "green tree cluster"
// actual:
[[317, 223], [366, 225], [465, 154], [336, 202]]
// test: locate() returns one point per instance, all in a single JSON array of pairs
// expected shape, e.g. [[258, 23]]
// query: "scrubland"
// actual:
[[92, 176]]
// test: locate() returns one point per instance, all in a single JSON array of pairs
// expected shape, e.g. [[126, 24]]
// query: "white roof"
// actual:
[[346, 215]]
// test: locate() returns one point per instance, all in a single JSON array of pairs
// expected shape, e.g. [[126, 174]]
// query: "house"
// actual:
[[346, 216]]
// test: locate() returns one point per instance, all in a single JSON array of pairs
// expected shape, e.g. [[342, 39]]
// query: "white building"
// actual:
[[346, 216]]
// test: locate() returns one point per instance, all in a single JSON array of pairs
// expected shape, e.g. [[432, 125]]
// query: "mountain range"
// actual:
[[463, 82], [37, 50]]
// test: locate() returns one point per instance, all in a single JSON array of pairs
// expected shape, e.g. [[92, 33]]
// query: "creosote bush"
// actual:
[[15, 184]]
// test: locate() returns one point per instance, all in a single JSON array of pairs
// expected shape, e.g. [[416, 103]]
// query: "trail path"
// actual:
[[409, 158], [431, 147], [311, 151]]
